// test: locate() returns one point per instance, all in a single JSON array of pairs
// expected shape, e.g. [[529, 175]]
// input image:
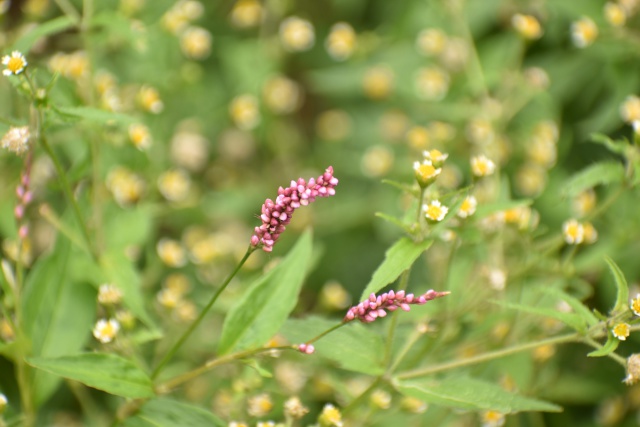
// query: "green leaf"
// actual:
[[398, 258], [268, 302], [170, 413], [353, 347], [395, 221], [608, 347], [472, 394], [56, 25], [117, 269], [608, 172], [572, 320], [59, 312], [619, 147], [95, 115], [125, 227], [580, 309], [103, 371], [622, 299]]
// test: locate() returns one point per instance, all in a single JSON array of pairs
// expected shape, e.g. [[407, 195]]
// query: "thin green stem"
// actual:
[[200, 317], [331, 329], [572, 337], [356, 402], [169, 385], [404, 350], [87, 15], [66, 187], [69, 10]]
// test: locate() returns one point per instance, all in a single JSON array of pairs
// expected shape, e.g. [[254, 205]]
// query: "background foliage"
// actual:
[[242, 105]]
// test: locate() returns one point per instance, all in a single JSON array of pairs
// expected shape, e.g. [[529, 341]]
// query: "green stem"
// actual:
[[66, 187], [356, 402], [69, 10], [572, 337], [169, 385], [331, 329], [203, 313]]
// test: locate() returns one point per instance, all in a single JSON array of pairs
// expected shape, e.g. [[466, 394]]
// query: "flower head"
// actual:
[[482, 166], [432, 83], [621, 331], [615, 14], [633, 369], [195, 42], [435, 211], [246, 13], [436, 157], [378, 82], [297, 34], [468, 207], [431, 42], [174, 185], [630, 109], [293, 408], [244, 111], [330, 416], [276, 215], [106, 330], [425, 173], [172, 253], [3, 403], [149, 99], [306, 348], [259, 405], [527, 26], [282, 95], [635, 305], [341, 41], [377, 306], [492, 419], [573, 232], [584, 32], [16, 139], [140, 136], [109, 294], [14, 63]]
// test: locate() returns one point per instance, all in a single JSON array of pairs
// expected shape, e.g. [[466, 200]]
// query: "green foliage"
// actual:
[[472, 394], [352, 347], [267, 303], [103, 371], [168, 412], [397, 259]]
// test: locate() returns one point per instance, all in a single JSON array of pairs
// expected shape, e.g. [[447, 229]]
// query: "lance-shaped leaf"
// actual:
[[622, 298], [472, 394], [268, 302], [171, 413], [353, 346], [103, 371], [398, 258], [599, 173]]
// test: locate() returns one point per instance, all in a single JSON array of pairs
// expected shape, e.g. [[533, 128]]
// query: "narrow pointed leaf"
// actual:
[[622, 299], [353, 346], [106, 372], [59, 311], [472, 394], [28, 39], [599, 173], [578, 307], [268, 301], [398, 258], [171, 413], [572, 320], [608, 348]]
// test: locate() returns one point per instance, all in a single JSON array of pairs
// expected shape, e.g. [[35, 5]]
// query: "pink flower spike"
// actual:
[[377, 306], [306, 348], [275, 216]]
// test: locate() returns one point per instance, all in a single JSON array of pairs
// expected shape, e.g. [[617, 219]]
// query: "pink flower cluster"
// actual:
[[276, 215], [377, 306]]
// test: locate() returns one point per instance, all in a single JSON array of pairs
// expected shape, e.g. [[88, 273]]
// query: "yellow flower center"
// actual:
[[434, 212], [426, 171], [635, 305], [621, 331], [15, 64]]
